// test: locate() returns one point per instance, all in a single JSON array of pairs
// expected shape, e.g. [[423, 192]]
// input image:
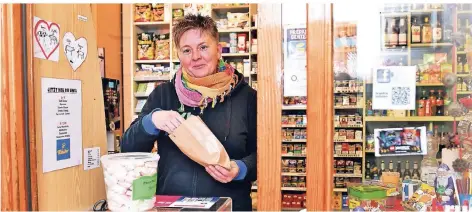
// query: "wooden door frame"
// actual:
[[15, 181], [320, 110]]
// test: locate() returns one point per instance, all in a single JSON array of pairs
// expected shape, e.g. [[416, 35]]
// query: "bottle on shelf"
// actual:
[[460, 67], [429, 164], [382, 168], [422, 104], [416, 174], [393, 33], [437, 31], [427, 107], [386, 33], [407, 173], [432, 99], [465, 67], [415, 31], [440, 104], [399, 169], [390, 166], [426, 35], [402, 32], [367, 171]]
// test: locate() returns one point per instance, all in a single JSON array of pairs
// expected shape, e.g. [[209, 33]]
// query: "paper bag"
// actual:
[[197, 141]]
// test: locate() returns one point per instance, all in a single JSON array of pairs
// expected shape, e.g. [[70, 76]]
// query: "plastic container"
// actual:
[[130, 180]]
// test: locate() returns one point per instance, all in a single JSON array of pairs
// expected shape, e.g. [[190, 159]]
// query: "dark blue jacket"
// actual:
[[234, 123]]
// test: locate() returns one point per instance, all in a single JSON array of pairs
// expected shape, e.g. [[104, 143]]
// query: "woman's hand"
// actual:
[[221, 174], [167, 120]]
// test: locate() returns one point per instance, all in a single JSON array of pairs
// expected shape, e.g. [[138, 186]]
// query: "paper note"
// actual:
[[61, 120], [46, 39], [91, 158]]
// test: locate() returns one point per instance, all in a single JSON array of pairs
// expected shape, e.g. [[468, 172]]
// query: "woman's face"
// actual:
[[199, 53]]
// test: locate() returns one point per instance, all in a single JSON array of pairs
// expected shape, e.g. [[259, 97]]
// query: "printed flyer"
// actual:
[[295, 60], [394, 88], [61, 123]]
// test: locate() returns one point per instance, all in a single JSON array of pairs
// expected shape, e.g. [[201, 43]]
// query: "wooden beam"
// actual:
[[269, 109], [13, 158], [31, 117], [319, 115]]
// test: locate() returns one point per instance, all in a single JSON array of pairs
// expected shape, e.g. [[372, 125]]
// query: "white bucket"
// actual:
[[130, 180]]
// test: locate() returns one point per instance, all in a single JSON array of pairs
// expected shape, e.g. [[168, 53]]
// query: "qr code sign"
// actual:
[[401, 95]]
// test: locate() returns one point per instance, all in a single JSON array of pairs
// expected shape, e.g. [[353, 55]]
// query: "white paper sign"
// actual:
[[91, 158], [46, 39], [61, 123], [394, 88], [295, 60], [74, 49]]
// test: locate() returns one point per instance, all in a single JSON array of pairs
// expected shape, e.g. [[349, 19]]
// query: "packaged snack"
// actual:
[[284, 149], [289, 134], [292, 120], [343, 121], [349, 166], [357, 168], [303, 149], [142, 12], [358, 148], [177, 15], [303, 134], [297, 149], [352, 100], [162, 46], [285, 165], [292, 166], [289, 149], [242, 43], [336, 120], [157, 12], [358, 135], [284, 134], [351, 120], [352, 149], [339, 182], [338, 101], [301, 166], [284, 120], [342, 135], [145, 46], [237, 20], [296, 134], [341, 166], [294, 180], [301, 182], [346, 100], [350, 135], [286, 181]]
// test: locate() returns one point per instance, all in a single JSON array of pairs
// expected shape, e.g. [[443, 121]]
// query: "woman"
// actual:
[[210, 88]]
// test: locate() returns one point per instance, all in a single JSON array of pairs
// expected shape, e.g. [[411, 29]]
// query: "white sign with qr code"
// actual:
[[394, 88]]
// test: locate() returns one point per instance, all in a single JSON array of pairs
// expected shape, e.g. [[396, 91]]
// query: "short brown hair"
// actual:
[[191, 21]]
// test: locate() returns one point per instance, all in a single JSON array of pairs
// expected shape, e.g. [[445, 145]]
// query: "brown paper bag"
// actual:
[[197, 141]]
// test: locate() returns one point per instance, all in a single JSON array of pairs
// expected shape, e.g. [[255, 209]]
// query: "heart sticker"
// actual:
[[46, 35], [75, 50]]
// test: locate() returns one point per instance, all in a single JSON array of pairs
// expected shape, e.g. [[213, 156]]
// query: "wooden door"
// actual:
[[71, 188]]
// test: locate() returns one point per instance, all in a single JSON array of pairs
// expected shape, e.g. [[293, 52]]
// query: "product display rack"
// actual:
[[218, 11], [409, 54]]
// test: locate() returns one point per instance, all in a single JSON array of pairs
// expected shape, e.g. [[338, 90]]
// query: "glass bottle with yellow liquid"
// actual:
[[426, 31]]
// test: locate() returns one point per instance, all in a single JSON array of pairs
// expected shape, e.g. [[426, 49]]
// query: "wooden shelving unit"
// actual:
[[131, 97], [411, 56]]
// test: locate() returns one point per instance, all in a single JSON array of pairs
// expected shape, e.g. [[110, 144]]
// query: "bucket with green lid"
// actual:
[[130, 180]]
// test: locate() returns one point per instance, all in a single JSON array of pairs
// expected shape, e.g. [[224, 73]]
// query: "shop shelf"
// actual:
[[347, 127], [369, 151], [141, 94], [293, 156], [410, 118], [235, 54], [464, 92], [151, 78], [293, 174], [347, 156], [464, 12], [293, 126], [233, 30], [429, 84], [294, 107], [295, 141], [340, 190], [292, 209], [347, 175], [348, 141], [427, 11], [151, 23], [349, 107], [151, 61], [293, 189], [430, 44], [461, 52], [229, 7]]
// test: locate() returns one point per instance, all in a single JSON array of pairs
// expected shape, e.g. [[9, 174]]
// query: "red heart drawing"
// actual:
[[47, 55]]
